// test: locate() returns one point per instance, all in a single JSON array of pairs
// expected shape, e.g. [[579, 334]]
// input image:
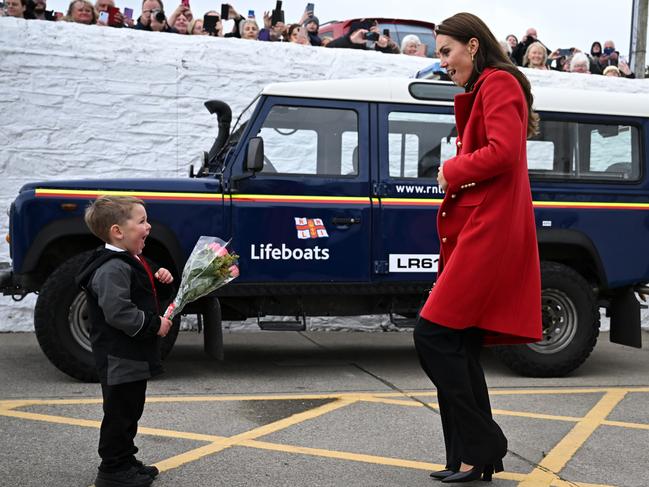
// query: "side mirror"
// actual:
[[255, 156]]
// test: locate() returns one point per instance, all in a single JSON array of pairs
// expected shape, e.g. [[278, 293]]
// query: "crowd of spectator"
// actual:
[[529, 52]]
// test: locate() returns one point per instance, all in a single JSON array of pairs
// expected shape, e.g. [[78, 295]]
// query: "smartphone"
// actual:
[[277, 16], [386, 32], [309, 8], [112, 12], [103, 17], [251, 14], [185, 3], [565, 52], [225, 11], [128, 13], [371, 36], [278, 5], [209, 23]]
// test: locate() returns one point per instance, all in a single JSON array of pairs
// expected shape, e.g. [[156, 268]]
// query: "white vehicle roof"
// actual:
[[395, 90]]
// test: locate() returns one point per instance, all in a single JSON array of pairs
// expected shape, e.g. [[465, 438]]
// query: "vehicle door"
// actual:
[[589, 187], [413, 141], [306, 216]]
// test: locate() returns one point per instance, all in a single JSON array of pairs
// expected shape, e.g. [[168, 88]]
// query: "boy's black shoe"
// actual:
[[124, 478], [149, 470]]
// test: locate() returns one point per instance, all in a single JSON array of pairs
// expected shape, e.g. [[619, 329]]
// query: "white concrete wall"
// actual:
[[84, 101]]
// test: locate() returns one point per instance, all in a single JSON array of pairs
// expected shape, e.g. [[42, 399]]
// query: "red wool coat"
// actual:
[[489, 264]]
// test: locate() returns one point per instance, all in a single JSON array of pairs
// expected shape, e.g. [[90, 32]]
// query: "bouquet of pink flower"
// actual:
[[209, 267]]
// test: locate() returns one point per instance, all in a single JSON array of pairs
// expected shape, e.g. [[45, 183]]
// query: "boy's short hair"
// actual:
[[107, 211]]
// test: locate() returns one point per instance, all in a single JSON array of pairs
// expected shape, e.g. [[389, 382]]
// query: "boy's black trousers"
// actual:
[[123, 407], [451, 359]]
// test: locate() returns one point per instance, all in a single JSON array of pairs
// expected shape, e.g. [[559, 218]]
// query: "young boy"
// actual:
[[126, 326]]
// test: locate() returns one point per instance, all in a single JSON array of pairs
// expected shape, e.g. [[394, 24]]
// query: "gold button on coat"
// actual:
[[443, 214], [443, 239]]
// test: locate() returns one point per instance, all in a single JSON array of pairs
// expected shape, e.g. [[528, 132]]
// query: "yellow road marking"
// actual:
[[561, 454], [273, 427], [546, 474], [499, 412], [623, 424]]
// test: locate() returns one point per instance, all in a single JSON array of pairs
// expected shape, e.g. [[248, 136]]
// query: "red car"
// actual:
[[398, 29]]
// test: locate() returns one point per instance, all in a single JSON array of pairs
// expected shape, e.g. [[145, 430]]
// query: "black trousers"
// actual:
[[451, 359], [123, 407]]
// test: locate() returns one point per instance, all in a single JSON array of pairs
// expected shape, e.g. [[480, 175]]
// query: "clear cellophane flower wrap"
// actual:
[[208, 267]]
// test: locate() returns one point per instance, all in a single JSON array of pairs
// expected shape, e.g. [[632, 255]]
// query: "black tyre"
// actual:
[[62, 324], [570, 326]]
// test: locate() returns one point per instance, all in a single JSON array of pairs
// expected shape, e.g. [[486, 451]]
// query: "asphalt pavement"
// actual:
[[323, 409]]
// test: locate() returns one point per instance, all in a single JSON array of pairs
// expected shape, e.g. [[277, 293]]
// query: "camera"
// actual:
[[159, 16]]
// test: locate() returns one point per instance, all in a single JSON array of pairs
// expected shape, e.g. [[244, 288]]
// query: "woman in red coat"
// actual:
[[488, 289]]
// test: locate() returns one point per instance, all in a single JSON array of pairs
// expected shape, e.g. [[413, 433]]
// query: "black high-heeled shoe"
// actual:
[[478, 471], [442, 474]]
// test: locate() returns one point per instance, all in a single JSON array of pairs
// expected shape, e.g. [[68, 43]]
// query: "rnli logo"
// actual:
[[310, 228]]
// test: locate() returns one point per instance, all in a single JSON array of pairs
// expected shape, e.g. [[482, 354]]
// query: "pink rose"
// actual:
[[170, 309], [234, 271], [218, 249]]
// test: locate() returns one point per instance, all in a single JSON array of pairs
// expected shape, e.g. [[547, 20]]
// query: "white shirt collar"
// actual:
[[113, 248]]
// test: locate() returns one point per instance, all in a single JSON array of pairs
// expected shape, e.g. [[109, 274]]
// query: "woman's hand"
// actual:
[[624, 67], [441, 180], [358, 37]]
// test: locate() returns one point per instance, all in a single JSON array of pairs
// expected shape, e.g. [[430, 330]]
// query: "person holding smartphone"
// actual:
[[364, 34], [115, 18], [185, 11], [311, 25]]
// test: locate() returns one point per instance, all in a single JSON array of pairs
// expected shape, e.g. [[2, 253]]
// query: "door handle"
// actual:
[[344, 221]]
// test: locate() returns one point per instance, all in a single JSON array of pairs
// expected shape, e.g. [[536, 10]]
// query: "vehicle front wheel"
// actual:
[[62, 324], [570, 326]]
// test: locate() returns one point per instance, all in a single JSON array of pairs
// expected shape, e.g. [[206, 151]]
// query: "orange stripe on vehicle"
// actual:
[[273, 198], [410, 201], [259, 198], [145, 195]]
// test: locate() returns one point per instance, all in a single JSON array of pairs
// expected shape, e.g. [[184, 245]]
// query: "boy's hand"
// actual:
[[164, 276], [165, 325]]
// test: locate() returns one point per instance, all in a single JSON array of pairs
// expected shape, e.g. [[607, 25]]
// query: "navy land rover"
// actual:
[[328, 192]]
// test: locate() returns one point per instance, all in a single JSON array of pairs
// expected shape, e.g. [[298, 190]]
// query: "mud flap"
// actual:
[[624, 312]]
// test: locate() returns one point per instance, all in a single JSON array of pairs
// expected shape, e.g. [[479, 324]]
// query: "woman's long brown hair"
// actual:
[[465, 26]]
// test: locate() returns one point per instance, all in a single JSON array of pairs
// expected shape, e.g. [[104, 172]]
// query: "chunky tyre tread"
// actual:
[[520, 358], [52, 306]]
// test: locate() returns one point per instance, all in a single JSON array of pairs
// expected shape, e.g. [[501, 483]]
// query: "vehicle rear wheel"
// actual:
[[62, 323], [570, 326]]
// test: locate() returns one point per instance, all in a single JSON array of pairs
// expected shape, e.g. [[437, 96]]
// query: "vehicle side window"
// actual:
[[310, 141], [584, 151], [417, 142]]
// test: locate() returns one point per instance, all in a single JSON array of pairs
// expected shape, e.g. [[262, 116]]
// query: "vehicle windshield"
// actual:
[[242, 120]]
